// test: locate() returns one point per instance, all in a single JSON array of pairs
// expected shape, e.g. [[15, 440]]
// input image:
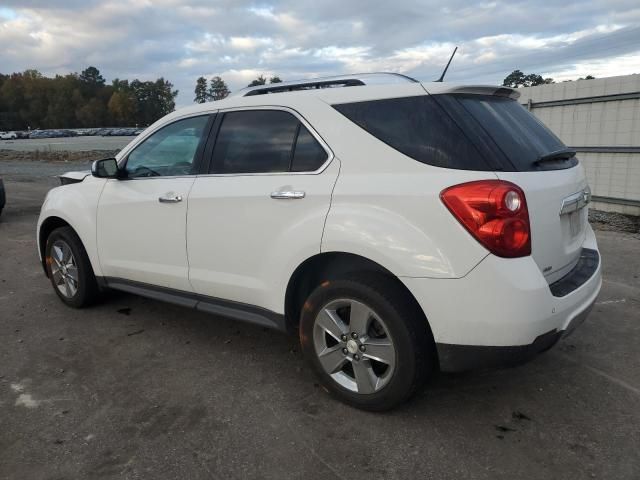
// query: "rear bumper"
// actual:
[[459, 358], [503, 312]]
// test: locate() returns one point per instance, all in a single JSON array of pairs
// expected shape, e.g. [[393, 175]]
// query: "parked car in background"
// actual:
[[8, 135], [38, 134], [399, 227], [3, 196]]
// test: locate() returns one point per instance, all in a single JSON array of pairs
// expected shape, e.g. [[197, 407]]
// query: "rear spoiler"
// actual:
[[434, 88]]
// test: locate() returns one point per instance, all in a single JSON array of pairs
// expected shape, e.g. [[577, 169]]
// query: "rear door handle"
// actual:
[[287, 195], [170, 199]]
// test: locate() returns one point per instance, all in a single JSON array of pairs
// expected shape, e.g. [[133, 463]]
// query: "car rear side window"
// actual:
[[308, 154], [418, 127], [255, 141], [265, 141]]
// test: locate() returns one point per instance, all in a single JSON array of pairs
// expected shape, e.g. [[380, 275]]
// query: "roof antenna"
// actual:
[[447, 67]]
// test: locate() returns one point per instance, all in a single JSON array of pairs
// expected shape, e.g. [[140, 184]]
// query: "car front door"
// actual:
[[141, 218], [261, 209]]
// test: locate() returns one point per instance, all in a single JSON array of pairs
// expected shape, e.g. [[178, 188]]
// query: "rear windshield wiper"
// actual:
[[563, 154]]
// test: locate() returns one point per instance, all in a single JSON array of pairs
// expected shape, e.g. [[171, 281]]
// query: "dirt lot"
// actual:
[[133, 388]]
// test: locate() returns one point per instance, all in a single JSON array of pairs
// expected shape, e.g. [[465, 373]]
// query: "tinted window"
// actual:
[[255, 141], [419, 128], [308, 154], [169, 151], [519, 134]]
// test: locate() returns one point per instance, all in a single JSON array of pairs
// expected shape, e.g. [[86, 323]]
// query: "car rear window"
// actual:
[[519, 134], [464, 132]]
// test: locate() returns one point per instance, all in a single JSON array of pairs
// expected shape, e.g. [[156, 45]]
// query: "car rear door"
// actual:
[[262, 206]]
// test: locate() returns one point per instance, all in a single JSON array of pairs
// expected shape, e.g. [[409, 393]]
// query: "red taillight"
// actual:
[[495, 213]]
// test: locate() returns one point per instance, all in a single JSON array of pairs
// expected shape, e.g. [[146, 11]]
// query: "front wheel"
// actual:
[[69, 268], [367, 340]]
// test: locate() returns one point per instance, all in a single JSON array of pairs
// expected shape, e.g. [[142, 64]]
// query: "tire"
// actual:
[[397, 334], [84, 291]]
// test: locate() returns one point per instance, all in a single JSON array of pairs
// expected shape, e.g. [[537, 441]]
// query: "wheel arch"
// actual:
[[48, 225], [327, 266]]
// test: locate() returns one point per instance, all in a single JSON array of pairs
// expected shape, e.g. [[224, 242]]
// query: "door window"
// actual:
[[265, 141], [168, 152], [308, 154]]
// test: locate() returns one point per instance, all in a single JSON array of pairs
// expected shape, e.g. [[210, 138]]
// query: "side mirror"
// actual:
[[105, 168]]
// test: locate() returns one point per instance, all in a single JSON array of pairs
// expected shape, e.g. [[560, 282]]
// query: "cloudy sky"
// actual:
[[294, 39]]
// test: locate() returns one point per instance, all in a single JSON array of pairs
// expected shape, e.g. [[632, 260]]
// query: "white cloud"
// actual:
[[241, 39]]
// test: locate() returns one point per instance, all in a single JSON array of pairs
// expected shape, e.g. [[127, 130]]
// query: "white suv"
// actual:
[[400, 226]]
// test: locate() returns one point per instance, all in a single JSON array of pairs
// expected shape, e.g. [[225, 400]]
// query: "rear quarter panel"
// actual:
[[386, 206]]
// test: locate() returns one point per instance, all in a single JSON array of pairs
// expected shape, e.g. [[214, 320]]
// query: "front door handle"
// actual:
[[170, 199], [287, 195]]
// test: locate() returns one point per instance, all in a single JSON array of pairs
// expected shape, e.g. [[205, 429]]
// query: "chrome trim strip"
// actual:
[[576, 201]]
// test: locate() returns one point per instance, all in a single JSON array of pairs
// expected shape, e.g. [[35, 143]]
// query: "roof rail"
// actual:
[[326, 82]]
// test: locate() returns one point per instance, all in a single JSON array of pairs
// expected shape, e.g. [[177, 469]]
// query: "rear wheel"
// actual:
[[366, 340], [69, 268]]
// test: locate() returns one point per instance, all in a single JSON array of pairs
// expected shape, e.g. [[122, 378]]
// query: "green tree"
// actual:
[[29, 99], [122, 109], [154, 100], [12, 95], [518, 79], [217, 89], [92, 114], [61, 109], [201, 90], [258, 81], [515, 79], [91, 76], [275, 79]]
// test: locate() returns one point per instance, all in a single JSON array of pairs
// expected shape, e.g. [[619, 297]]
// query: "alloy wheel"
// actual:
[[64, 270], [354, 346]]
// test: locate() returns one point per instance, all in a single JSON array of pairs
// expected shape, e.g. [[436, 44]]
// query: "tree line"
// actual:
[[31, 100], [518, 79], [216, 88]]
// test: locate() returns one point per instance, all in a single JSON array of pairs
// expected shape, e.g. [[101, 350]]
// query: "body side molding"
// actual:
[[226, 308]]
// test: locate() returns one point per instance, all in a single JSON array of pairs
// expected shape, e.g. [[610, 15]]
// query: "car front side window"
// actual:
[[170, 151]]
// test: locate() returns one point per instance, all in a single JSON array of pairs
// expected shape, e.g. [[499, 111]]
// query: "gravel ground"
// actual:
[[616, 222], [134, 388], [54, 156]]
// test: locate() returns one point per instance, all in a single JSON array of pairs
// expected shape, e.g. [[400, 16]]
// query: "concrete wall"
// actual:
[[601, 119]]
